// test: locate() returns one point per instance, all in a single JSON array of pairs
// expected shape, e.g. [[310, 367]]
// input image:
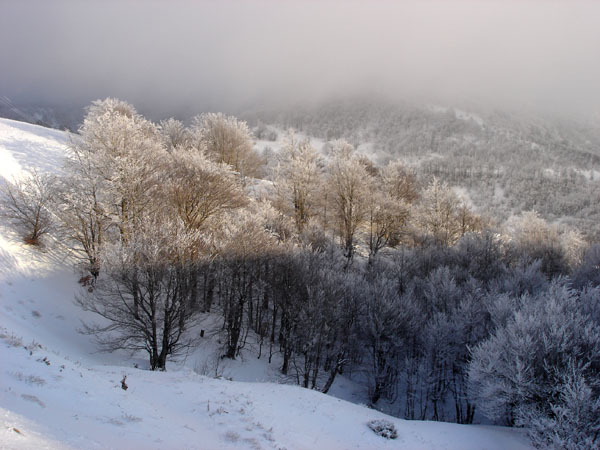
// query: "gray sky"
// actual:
[[540, 55]]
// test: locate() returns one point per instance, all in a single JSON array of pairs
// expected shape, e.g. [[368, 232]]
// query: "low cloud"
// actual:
[[540, 55]]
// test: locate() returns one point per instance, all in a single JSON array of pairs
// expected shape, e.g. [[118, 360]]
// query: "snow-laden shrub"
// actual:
[[383, 428]]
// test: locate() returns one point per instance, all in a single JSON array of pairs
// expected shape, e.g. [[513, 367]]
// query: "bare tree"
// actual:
[[143, 293], [26, 202]]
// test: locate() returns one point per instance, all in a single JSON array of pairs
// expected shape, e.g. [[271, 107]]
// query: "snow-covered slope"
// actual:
[[57, 392], [26, 147]]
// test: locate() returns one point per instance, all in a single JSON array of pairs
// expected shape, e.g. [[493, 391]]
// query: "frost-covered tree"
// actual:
[[287, 287], [348, 184], [534, 239], [400, 182], [244, 243], [228, 140], [481, 255], [174, 134], [314, 313], [125, 150], [297, 180], [387, 218], [111, 176], [27, 203], [323, 321], [438, 213], [536, 369], [83, 215], [460, 321], [385, 323], [200, 189], [200, 192], [574, 423], [588, 272], [343, 312], [143, 294]]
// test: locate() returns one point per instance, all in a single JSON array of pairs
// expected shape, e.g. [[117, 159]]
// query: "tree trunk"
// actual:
[[333, 373]]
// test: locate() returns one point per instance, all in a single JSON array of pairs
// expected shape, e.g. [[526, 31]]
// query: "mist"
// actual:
[[182, 55]]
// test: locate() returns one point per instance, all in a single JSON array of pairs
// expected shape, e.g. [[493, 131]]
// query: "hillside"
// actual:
[[58, 392], [506, 162]]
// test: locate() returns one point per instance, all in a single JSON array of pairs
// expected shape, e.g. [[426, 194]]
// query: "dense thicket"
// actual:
[[337, 266]]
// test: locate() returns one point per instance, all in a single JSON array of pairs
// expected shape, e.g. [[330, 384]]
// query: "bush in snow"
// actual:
[[383, 428], [25, 203]]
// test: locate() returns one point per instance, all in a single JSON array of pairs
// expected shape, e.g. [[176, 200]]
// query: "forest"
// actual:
[[340, 264], [507, 162]]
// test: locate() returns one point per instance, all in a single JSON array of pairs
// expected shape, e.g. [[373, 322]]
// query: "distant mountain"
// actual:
[[51, 116]]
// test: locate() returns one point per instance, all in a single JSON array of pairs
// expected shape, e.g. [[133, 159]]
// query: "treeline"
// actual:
[[334, 264]]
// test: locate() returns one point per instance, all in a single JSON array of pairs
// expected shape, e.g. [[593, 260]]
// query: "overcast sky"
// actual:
[[541, 55]]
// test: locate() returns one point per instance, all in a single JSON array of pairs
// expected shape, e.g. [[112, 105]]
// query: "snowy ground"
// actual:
[[56, 392]]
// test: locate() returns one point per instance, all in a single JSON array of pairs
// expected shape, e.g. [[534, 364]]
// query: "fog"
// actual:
[[171, 55]]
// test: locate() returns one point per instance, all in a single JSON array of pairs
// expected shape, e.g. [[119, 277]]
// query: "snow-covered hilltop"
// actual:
[[57, 392]]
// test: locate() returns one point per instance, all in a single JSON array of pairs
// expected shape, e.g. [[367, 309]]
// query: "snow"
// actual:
[[260, 145], [465, 115], [590, 174], [464, 195], [458, 113], [25, 147], [57, 392]]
